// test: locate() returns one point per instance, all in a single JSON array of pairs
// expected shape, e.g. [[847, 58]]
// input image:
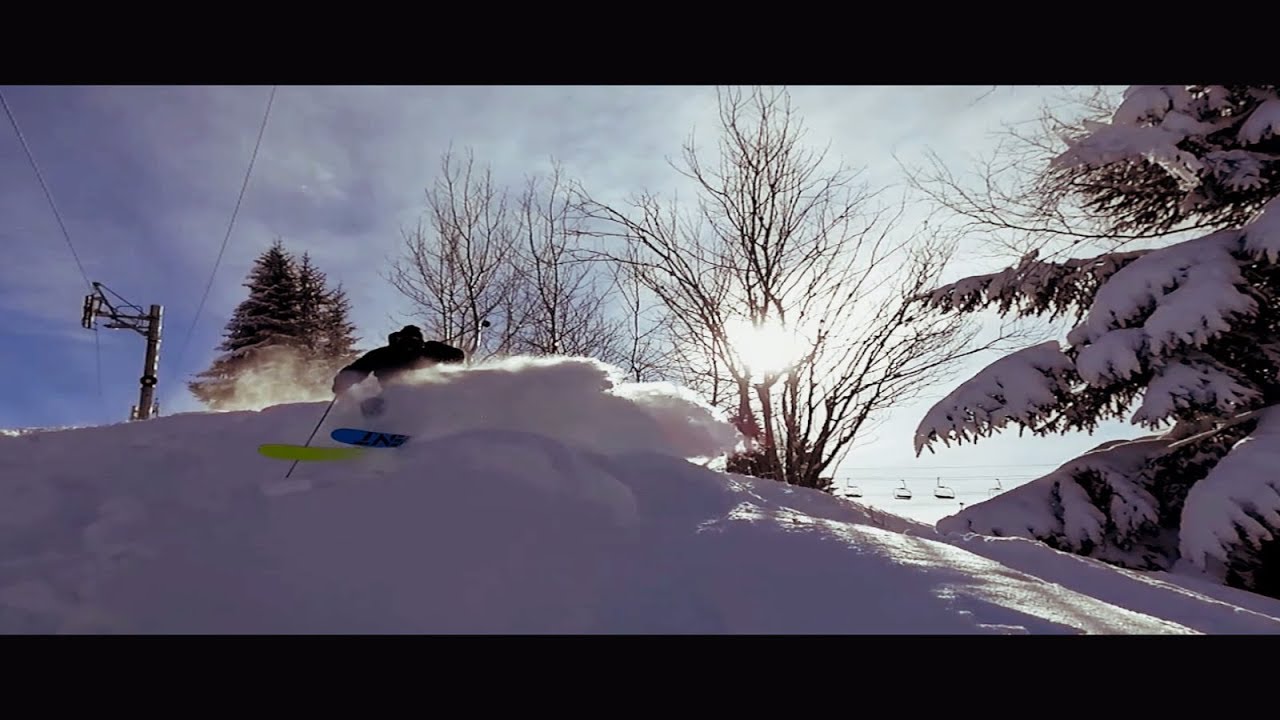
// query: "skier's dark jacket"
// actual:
[[405, 352]]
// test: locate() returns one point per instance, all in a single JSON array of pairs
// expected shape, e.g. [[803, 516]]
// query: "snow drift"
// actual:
[[535, 496]]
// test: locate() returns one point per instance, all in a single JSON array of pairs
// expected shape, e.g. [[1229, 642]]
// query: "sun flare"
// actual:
[[765, 349]]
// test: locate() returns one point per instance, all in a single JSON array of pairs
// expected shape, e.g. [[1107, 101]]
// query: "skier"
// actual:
[[405, 352]]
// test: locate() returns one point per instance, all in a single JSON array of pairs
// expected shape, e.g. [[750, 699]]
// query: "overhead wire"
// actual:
[[66, 234], [904, 477], [857, 476], [926, 468], [230, 227]]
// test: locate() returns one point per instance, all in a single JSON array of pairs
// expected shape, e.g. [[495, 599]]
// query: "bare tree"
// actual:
[[481, 255], [777, 240], [643, 344], [565, 300], [457, 268]]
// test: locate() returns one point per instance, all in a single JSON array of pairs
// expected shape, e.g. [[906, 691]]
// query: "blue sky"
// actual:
[[146, 178]]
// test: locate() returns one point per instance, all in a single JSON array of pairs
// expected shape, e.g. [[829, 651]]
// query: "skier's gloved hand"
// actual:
[[442, 353], [345, 380]]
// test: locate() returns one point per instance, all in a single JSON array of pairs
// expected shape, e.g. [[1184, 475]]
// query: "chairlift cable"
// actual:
[[230, 227], [66, 235]]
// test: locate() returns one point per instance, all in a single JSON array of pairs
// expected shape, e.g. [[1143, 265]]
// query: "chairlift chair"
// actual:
[[995, 490], [943, 492], [851, 490], [902, 493]]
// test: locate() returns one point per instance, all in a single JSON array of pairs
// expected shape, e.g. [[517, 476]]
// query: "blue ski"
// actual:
[[368, 438]]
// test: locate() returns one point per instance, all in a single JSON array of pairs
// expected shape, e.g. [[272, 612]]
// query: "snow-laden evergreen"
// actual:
[[292, 327], [1239, 497], [1173, 155], [321, 323], [1181, 339], [269, 315]]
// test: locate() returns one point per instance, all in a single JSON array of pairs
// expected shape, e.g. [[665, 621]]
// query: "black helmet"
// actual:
[[408, 333]]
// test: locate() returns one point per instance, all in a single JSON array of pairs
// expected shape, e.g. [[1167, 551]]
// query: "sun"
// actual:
[[766, 349]]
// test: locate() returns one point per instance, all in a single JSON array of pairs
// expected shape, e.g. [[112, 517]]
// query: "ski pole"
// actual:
[[313, 432]]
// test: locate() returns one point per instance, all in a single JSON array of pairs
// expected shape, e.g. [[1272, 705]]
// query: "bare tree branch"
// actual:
[[457, 268], [776, 237], [479, 256], [644, 345], [566, 300]]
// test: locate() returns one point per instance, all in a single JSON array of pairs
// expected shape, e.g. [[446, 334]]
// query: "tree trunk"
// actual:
[[745, 419], [774, 465]]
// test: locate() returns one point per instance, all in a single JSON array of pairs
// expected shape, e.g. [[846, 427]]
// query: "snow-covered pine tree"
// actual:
[[264, 321], [337, 329], [1188, 332], [323, 329], [323, 323], [309, 322]]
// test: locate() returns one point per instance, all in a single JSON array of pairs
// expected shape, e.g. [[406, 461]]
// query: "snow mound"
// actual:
[[1058, 506], [534, 497], [581, 401]]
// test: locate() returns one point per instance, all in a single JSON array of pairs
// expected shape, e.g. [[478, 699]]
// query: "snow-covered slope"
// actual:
[[535, 497]]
